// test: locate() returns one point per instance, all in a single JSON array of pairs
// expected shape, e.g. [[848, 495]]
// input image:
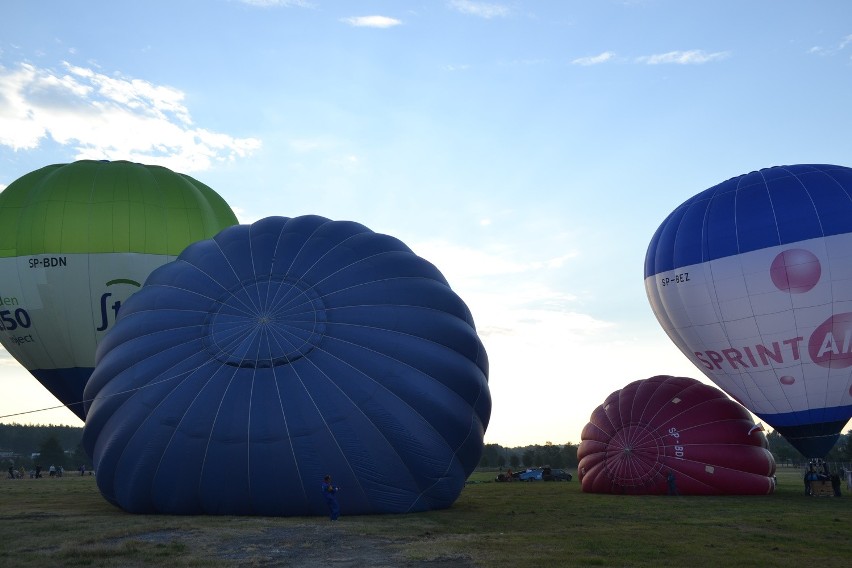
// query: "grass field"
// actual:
[[65, 522]]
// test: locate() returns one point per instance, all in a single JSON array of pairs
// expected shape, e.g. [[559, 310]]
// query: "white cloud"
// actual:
[[372, 21], [463, 263], [103, 117], [820, 50], [692, 57], [243, 216], [542, 350], [594, 59], [481, 9], [6, 359], [502, 293]]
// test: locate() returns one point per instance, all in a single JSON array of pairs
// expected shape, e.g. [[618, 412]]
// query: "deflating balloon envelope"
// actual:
[[277, 353], [752, 280], [76, 240], [673, 424]]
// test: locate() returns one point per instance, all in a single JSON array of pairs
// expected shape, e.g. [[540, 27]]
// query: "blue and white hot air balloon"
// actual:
[[752, 280]]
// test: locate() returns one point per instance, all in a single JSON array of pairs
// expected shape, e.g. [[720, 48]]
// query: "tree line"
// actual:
[[55, 445], [554, 455], [62, 445], [565, 455], [785, 454]]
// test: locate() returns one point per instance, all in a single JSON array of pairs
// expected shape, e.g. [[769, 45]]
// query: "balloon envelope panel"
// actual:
[[752, 280], [673, 424], [276, 353], [76, 240]]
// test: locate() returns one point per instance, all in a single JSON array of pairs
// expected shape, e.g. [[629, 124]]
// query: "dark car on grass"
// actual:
[[545, 474]]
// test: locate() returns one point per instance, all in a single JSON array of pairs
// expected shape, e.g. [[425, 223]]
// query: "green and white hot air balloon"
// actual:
[[76, 240]]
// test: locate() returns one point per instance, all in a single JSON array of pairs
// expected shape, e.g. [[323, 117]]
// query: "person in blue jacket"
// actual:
[[329, 491], [672, 482]]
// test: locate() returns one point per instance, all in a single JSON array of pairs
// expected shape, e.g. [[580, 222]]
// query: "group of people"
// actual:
[[16, 473], [35, 473], [818, 471]]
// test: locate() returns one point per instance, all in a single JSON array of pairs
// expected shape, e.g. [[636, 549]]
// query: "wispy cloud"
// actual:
[[820, 50], [463, 264], [480, 9], [372, 21], [692, 57], [109, 117], [594, 59]]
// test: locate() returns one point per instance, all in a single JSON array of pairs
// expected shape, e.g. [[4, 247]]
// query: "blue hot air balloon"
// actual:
[[273, 354], [752, 280]]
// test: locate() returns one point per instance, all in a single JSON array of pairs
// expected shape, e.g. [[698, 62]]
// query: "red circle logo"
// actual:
[[796, 271]]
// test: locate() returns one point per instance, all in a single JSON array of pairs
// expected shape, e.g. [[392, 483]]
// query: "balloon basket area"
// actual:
[[822, 489]]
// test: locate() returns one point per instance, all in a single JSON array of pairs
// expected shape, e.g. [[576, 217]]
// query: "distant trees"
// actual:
[[565, 455], [782, 450], [25, 440], [785, 454], [79, 457], [554, 455], [842, 450], [51, 453], [490, 453]]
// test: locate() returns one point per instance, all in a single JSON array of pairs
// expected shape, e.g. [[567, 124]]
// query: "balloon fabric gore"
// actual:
[[673, 435], [752, 280], [76, 240], [276, 353]]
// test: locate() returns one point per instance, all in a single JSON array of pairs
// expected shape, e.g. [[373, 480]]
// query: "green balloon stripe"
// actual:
[[99, 207]]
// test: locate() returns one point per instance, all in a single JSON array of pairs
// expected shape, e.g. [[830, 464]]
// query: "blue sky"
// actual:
[[528, 149]]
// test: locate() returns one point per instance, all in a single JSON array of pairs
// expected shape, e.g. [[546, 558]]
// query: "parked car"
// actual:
[[514, 476], [545, 474]]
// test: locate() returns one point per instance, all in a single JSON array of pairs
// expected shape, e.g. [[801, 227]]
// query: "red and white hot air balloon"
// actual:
[[666, 425]]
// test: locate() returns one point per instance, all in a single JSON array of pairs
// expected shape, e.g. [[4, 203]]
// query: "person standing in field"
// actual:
[[672, 483], [329, 491]]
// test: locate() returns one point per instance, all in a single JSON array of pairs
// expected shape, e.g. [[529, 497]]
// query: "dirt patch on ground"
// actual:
[[306, 546]]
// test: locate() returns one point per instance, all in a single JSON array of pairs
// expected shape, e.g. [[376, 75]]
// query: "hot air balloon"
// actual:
[[675, 428], [280, 352], [752, 280], [76, 240]]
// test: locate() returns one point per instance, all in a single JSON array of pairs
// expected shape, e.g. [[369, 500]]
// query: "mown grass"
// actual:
[[65, 522]]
